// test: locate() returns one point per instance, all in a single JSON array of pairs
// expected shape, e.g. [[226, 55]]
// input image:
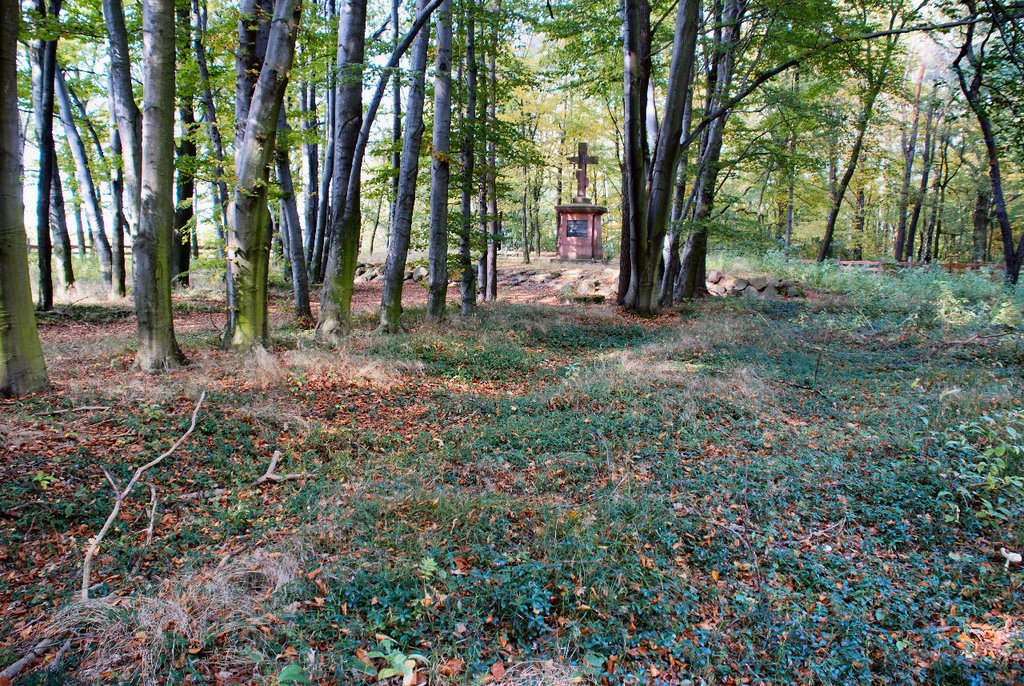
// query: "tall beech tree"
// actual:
[[44, 63], [970, 68], [351, 137], [691, 279], [256, 118], [909, 148], [124, 109], [401, 225], [59, 228], [151, 244], [83, 173], [467, 124], [437, 256], [22, 368], [649, 184], [291, 228], [875, 70]]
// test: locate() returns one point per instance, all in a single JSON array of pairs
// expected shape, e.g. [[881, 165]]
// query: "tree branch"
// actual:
[[94, 545]]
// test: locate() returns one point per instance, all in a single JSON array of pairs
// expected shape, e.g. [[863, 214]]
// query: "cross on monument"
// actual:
[[581, 160]]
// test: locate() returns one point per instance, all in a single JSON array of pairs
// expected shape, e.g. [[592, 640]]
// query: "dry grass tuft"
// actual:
[[215, 613], [264, 369], [277, 416], [541, 673], [352, 366]]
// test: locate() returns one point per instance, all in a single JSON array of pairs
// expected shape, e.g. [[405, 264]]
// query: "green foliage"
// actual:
[[983, 463], [930, 295]]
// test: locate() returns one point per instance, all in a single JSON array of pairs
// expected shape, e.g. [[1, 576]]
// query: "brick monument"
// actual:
[[579, 222]]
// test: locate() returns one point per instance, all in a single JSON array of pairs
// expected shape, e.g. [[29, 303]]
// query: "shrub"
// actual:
[[983, 461]]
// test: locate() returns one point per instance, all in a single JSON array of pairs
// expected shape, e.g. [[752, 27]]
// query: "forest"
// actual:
[[509, 342]]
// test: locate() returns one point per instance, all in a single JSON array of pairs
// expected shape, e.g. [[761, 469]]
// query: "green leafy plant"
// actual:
[[44, 480], [292, 674], [985, 463], [387, 662]]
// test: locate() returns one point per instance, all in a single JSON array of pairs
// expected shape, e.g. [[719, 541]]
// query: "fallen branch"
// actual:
[[149, 530], [981, 337], [94, 544], [85, 408], [272, 474], [34, 653]]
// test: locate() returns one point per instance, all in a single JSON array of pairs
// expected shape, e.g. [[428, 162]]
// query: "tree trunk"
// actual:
[[323, 211], [468, 127], [22, 367], [158, 349], [59, 229], [401, 229], [220, 190], [909, 152], [335, 319], [184, 207], [1013, 256], [44, 58], [649, 225], [118, 222], [982, 214], [339, 282], [396, 128], [87, 188], [672, 263], [125, 110], [76, 210], [311, 153], [493, 231], [270, 51], [840, 192], [437, 279], [922, 191], [291, 230], [691, 280]]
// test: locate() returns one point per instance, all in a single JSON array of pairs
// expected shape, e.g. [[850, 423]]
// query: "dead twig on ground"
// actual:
[[978, 337], [34, 653], [272, 475], [149, 530], [84, 408], [94, 544]]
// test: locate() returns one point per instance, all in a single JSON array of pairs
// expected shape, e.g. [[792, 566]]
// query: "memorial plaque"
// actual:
[[578, 228]]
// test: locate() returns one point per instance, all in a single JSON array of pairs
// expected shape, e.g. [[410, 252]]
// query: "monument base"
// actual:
[[579, 231]]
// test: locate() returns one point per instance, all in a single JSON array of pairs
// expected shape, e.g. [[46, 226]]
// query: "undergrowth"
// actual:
[[740, 492]]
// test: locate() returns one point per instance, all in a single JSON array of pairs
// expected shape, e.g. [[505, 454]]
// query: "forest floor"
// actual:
[[736, 492]]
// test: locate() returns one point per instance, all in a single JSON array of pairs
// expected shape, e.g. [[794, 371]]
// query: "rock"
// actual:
[[770, 292], [419, 273], [772, 281], [795, 292], [362, 278], [408, 276], [750, 292], [717, 289], [540, 278], [714, 276], [739, 284], [758, 282]]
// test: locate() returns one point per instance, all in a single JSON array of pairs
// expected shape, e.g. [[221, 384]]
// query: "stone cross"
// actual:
[[581, 160]]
